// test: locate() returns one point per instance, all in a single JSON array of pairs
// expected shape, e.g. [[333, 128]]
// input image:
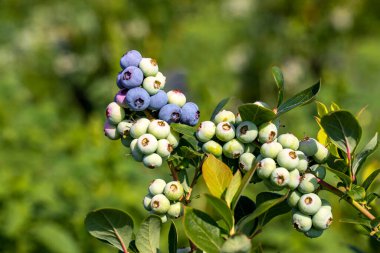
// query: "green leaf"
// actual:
[[366, 151], [321, 109], [256, 113], [343, 130], [148, 237], [202, 230], [375, 223], [110, 225], [371, 197], [190, 141], [219, 107], [302, 98], [244, 207], [334, 107], [222, 209], [279, 79], [244, 183], [357, 221], [217, 175], [367, 183], [237, 244], [172, 238], [277, 210], [264, 202], [345, 179], [183, 129], [233, 187], [356, 193], [189, 152]]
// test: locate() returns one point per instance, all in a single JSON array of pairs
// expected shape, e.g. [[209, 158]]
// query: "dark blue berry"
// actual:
[[131, 58], [158, 100], [190, 114], [137, 99], [171, 113], [131, 77]]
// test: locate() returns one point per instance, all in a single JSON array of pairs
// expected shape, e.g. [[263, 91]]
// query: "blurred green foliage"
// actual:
[[58, 64]]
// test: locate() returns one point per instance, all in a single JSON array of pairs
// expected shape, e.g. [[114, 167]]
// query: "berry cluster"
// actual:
[[227, 135], [141, 96], [163, 199]]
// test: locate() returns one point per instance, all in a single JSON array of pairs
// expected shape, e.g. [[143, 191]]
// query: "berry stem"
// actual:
[[173, 171], [344, 196]]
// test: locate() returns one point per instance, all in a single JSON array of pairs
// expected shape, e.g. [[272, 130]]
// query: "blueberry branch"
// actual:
[[173, 171]]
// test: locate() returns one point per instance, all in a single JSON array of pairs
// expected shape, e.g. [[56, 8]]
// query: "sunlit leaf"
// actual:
[[279, 79], [233, 187], [364, 153], [148, 236]]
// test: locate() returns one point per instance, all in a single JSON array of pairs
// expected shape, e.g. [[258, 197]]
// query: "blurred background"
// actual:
[[58, 66]]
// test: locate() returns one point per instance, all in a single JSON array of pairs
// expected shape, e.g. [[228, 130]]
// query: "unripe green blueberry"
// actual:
[[309, 183], [146, 202], [139, 128], [135, 151], [271, 186], [173, 138], [176, 97], [115, 113], [326, 204], [164, 148], [322, 154], [159, 128], [294, 179], [288, 141], [224, 116], [314, 233], [323, 218], [123, 128], [246, 132], [152, 161], [249, 148], [225, 131], [205, 131], [237, 243], [173, 190], [288, 159], [318, 170], [303, 162], [162, 79], [309, 203], [175, 210], [262, 104], [126, 141], [148, 66], [160, 204], [293, 198], [270, 149], [152, 85], [147, 144], [157, 186], [301, 221], [110, 130], [267, 132], [163, 217], [212, 147], [246, 161], [265, 167], [238, 118], [308, 146], [280, 177], [233, 149]]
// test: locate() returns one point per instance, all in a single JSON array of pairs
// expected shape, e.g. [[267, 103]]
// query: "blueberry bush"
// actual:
[[230, 152]]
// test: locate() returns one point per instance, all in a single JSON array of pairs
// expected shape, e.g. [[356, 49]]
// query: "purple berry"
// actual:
[[190, 114], [131, 77], [170, 113], [118, 80], [120, 98], [137, 99], [158, 100], [130, 58]]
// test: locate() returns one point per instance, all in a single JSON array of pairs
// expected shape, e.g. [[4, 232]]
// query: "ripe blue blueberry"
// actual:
[[246, 132], [164, 148], [246, 161], [205, 131], [131, 77], [212, 147], [288, 159], [175, 210], [267, 132], [270, 149], [224, 116], [115, 113], [189, 114], [110, 130], [157, 186], [302, 222], [147, 144], [323, 218], [265, 167], [158, 100], [130, 58], [173, 190], [288, 141], [148, 66], [171, 113], [151, 85], [118, 80], [309, 183], [152, 161], [225, 131], [309, 203], [308, 146], [120, 98], [318, 170], [139, 128], [280, 177], [159, 128], [233, 149], [160, 204], [137, 99], [293, 198], [176, 97]]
